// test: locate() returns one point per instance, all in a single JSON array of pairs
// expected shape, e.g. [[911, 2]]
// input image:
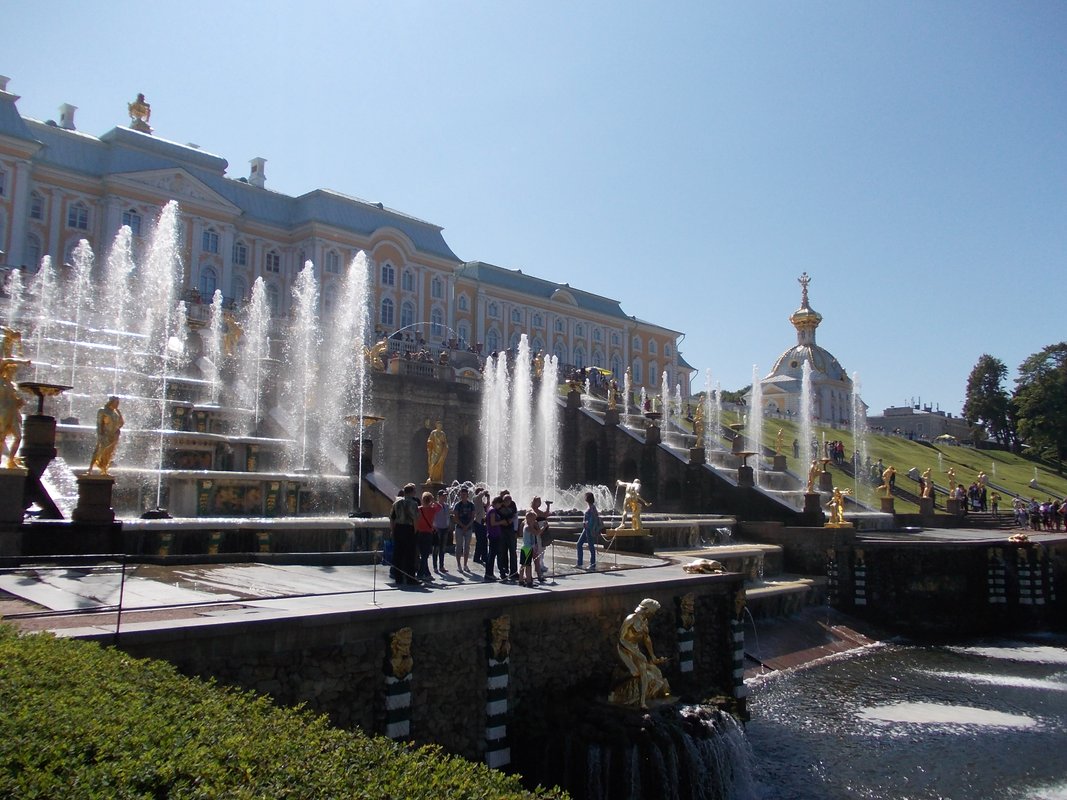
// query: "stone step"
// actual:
[[754, 561]]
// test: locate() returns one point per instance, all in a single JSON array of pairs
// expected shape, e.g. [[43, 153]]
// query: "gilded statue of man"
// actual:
[[436, 453], [109, 423], [11, 403]]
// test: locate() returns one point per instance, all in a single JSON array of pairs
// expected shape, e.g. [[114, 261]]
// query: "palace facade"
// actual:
[[59, 185]]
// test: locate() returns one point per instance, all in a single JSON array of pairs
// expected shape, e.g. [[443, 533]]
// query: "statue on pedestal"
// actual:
[[11, 403], [646, 682], [140, 113], [779, 441], [699, 426], [837, 508], [632, 504], [951, 473], [109, 423], [613, 395], [888, 479], [436, 452], [928, 483], [813, 475]]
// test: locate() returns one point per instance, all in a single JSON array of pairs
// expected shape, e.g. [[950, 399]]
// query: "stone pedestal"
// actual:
[[38, 450], [697, 455], [626, 540], [574, 399], [94, 499], [779, 463], [826, 481], [611, 416], [12, 485], [953, 506], [812, 503], [926, 506], [652, 434], [746, 476], [887, 505]]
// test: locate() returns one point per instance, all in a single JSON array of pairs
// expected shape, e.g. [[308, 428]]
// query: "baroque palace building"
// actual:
[[59, 185]]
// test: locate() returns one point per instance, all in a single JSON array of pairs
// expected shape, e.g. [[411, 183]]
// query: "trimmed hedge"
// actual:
[[82, 721]]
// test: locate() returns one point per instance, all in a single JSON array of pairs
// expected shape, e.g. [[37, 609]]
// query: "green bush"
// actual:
[[81, 721]]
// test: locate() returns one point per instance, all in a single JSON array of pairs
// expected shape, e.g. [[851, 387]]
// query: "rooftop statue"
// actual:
[[646, 682], [140, 113]]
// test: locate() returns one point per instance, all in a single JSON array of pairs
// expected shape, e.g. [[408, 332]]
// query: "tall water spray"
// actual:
[[211, 361], [252, 366], [754, 426], [77, 296], [302, 353], [859, 441], [807, 436], [46, 290], [114, 303]]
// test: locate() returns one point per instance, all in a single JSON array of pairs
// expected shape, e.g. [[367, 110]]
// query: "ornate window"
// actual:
[[240, 254], [537, 345], [240, 289], [538, 321], [464, 334], [272, 261], [437, 323], [209, 279], [597, 335], [579, 357], [616, 367], [561, 327], [651, 345], [33, 250], [463, 303], [78, 216], [560, 352], [329, 299], [637, 370], [407, 281], [653, 373], [493, 312], [333, 262], [579, 330], [407, 315], [209, 241], [492, 340], [635, 345], [437, 288], [274, 299], [36, 205], [386, 315], [515, 337], [132, 220], [516, 316], [598, 358], [614, 338], [388, 274], [666, 350]]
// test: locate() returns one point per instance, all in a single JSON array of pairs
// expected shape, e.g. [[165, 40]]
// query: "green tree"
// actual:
[[986, 406], [1041, 402], [735, 397]]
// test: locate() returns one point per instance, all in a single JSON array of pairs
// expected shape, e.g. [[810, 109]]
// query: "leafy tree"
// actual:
[[987, 401], [1041, 401], [735, 397]]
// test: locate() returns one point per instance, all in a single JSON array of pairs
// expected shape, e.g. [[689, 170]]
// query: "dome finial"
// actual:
[[804, 280]]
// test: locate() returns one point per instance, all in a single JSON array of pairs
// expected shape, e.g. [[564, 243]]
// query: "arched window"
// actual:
[[437, 288], [36, 205], [560, 326], [653, 373], [78, 216], [652, 346], [597, 335], [560, 352], [598, 358], [616, 367], [272, 262], [492, 340], [132, 220], [240, 289], [637, 372], [209, 280], [666, 350], [515, 340], [407, 314], [333, 262], [614, 338], [274, 299], [33, 250], [538, 321], [493, 312], [388, 274], [537, 345], [240, 254], [579, 330], [407, 281], [209, 241], [437, 322], [579, 357], [635, 345], [464, 334], [386, 315], [516, 316], [463, 303]]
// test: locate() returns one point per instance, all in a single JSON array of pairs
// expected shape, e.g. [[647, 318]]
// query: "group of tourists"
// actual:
[[507, 543], [1050, 515]]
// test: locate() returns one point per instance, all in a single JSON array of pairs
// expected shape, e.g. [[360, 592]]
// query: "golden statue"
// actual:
[[376, 355], [400, 659], [698, 425], [632, 504], [928, 483], [109, 423], [436, 452], [233, 335], [613, 395], [500, 637], [11, 403], [539, 364], [140, 113], [778, 441], [837, 508], [646, 682], [813, 475], [887, 480], [12, 340], [951, 473], [687, 611]]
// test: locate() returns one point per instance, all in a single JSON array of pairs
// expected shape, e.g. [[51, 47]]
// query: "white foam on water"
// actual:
[[1056, 791], [1001, 680], [940, 714], [1039, 655]]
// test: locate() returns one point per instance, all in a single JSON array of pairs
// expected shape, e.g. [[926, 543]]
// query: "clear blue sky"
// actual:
[[689, 159]]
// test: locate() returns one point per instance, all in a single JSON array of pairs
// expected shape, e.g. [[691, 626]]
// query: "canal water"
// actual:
[[985, 719]]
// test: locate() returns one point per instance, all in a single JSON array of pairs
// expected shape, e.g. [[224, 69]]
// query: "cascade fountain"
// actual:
[[302, 348], [807, 412], [754, 423], [253, 361], [859, 442]]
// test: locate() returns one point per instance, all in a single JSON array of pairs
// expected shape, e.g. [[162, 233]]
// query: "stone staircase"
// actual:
[[984, 520]]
